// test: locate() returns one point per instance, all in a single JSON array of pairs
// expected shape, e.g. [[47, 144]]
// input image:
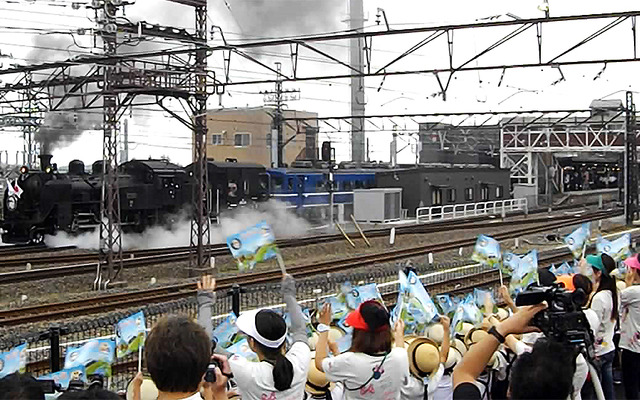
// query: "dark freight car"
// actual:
[[441, 185]]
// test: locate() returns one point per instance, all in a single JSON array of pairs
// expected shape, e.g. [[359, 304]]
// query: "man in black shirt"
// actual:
[[545, 373]]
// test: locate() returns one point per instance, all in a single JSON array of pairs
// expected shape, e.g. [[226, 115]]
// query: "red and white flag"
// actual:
[[14, 189]]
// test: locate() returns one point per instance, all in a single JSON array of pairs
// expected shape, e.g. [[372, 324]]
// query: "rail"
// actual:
[[453, 211]]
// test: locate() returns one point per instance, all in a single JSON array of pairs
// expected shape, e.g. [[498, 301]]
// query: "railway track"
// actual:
[[17, 250], [29, 250], [86, 263], [157, 295]]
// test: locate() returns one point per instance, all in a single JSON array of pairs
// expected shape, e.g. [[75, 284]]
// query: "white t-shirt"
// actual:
[[414, 387], [630, 319], [602, 304], [354, 369], [255, 379]]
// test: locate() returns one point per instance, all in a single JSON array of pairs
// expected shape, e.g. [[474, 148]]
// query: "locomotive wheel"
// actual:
[[37, 238]]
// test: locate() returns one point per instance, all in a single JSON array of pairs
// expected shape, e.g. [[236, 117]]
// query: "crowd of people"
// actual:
[[508, 357]]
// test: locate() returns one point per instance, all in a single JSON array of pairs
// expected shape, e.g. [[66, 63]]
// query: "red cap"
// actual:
[[356, 320]]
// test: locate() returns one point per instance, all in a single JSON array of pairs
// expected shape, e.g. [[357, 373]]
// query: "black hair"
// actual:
[[20, 386], [607, 282], [270, 325], [546, 277], [583, 282], [178, 352], [378, 338], [544, 373], [374, 314], [94, 393]]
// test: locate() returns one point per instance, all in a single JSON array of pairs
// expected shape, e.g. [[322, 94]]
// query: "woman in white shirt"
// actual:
[[630, 329], [281, 374], [605, 305], [371, 369]]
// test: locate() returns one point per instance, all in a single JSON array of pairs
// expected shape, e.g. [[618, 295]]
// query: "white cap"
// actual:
[[246, 323]]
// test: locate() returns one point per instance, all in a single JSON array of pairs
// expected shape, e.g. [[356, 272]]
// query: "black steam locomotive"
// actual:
[[151, 192]]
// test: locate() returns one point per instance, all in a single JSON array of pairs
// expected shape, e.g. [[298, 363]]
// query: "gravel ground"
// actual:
[[77, 287]]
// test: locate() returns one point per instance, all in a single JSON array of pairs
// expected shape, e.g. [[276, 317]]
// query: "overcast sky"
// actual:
[[154, 133]]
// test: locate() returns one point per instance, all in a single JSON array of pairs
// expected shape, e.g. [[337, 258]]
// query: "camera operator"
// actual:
[[605, 305], [544, 373], [630, 329], [178, 353]]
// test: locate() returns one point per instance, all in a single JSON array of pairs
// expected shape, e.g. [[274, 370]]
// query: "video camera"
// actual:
[[49, 386], [563, 320]]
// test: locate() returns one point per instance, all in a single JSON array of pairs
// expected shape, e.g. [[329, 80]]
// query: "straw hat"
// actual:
[[459, 345], [408, 339], [424, 356], [466, 327], [436, 333], [313, 340], [317, 382], [335, 333], [453, 358], [474, 336], [502, 314], [148, 390]]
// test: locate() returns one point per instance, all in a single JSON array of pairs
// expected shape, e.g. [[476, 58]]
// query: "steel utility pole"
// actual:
[[277, 98], [631, 162], [356, 56], [110, 228], [200, 223]]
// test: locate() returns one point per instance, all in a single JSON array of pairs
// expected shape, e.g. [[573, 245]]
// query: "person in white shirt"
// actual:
[[415, 387], [371, 369], [279, 375], [605, 305], [630, 329]]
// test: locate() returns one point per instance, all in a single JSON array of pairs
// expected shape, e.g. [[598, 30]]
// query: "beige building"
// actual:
[[244, 134]]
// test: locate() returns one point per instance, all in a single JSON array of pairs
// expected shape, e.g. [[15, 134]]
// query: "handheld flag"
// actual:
[[254, 245]]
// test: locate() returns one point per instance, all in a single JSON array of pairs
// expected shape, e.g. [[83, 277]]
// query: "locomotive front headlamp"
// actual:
[[12, 203]]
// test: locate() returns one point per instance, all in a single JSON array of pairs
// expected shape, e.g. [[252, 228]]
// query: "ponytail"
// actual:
[[282, 373], [609, 283], [282, 367]]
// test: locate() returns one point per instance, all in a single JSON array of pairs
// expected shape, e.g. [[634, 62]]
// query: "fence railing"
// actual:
[[453, 211], [42, 345]]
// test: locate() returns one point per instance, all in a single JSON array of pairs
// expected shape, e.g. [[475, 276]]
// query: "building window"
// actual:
[[436, 196], [242, 139], [451, 195], [216, 139], [499, 192], [468, 194], [484, 193]]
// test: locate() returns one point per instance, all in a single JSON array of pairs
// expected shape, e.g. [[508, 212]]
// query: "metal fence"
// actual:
[[44, 347], [453, 211]]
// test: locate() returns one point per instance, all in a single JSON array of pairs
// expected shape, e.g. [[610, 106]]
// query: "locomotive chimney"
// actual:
[[45, 161]]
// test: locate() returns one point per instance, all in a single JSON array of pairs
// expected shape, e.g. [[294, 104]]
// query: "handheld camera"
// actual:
[[563, 320]]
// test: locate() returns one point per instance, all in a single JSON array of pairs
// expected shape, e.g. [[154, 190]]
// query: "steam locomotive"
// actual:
[[154, 192], [151, 192]]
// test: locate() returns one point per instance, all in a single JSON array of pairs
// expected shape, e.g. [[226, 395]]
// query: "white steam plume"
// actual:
[[284, 223]]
